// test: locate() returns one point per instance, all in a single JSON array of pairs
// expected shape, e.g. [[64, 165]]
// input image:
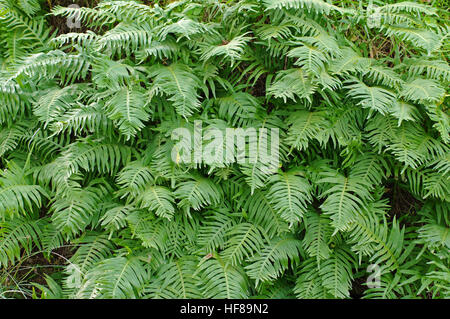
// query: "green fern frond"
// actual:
[[157, 199], [317, 6], [421, 90], [197, 193], [222, 280], [372, 97], [290, 194], [276, 257], [128, 108], [117, 277], [317, 236], [424, 39], [292, 83], [18, 195], [336, 272], [244, 240], [344, 198], [179, 82], [176, 280], [304, 127], [16, 235]]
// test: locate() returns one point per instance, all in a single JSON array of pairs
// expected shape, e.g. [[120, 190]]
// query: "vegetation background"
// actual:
[[92, 206]]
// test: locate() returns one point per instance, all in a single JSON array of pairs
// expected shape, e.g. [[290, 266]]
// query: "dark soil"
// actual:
[[358, 288], [60, 23], [401, 201], [37, 266]]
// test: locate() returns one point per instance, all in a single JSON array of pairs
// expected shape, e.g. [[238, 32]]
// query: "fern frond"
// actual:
[[10, 137], [179, 82], [409, 7], [244, 240], [371, 236], [290, 194], [197, 192], [304, 127], [128, 108], [309, 282], [126, 38], [158, 49], [115, 217], [317, 6], [213, 234], [344, 198], [176, 280], [336, 272], [118, 277], [372, 97], [434, 69], [404, 112], [134, 177], [222, 280], [317, 236], [231, 50], [30, 7], [18, 234], [73, 212], [101, 157], [421, 90], [292, 83], [309, 58], [261, 211], [273, 259], [238, 108], [53, 103], [17, 194], [157, 199], [422, 38]]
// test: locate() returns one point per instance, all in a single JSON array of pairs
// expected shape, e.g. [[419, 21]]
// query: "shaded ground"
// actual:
[[33, 269]]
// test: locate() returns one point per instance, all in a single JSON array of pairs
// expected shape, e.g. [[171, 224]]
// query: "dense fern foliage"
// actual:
[[87, 178]]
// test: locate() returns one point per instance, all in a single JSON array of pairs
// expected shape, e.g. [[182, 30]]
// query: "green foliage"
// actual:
[[86, 117]]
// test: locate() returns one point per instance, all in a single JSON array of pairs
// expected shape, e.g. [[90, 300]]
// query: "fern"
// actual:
[[222, 281], [336, 273], [116, 277], [176, 280], [180, 84], [18, 234], [345, 197], [93, 178], [289, 196], [318, 6], [274, 259], [128, 108]]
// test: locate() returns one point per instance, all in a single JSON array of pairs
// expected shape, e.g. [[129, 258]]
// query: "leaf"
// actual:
[[290, 194], [118, 277], [317, 6], [421, 90], [374, 98], [336, 273], [222, 281], [317, 236], [197, 192], [180, 83], [159, 200], [344, 198], [176, 280], [244, 240], [274, 259], [127, 108], [292, 83]]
